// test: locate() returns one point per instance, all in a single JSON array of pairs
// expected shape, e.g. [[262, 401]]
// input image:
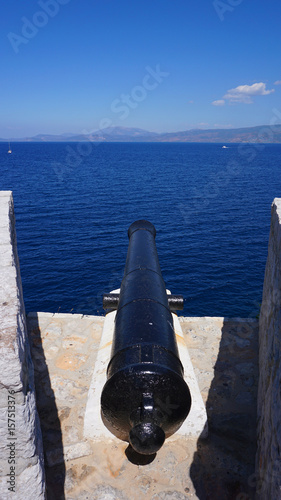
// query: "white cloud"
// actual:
[[219, 102], [278, 82], [203, 124], [218, 125], [244, 93]]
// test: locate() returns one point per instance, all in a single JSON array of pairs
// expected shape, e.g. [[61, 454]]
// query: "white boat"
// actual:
[[224, 147], [9, 150]]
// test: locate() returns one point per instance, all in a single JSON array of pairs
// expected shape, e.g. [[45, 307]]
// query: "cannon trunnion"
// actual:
[[145, 398]]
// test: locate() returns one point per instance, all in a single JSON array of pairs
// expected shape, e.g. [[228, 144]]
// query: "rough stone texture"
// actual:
[[224, 356], [19, 424], [269, 396]]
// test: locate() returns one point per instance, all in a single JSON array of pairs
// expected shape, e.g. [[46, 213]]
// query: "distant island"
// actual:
[[260, 134]]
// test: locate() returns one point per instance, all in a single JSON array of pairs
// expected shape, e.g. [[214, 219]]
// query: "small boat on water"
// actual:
[[224, 147], [9, 150]]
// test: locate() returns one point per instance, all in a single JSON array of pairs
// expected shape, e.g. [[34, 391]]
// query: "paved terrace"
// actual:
[[224, 354]]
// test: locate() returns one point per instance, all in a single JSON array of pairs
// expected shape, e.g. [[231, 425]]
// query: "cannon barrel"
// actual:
[[145, 398]]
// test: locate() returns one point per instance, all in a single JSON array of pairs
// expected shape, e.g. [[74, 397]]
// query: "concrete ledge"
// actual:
[[94, 428], [21, 453]]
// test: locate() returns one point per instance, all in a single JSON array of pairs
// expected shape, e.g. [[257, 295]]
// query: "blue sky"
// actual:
[[78, 66]]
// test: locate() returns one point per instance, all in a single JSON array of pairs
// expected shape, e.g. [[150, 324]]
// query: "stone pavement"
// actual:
[[221, 467]]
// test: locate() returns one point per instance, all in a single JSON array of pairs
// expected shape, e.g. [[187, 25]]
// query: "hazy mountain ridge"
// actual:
[[262, 134]]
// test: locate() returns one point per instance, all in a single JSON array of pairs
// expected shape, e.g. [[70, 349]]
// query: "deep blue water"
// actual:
[[210, 206]]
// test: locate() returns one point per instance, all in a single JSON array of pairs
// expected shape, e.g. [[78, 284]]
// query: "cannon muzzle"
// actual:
[[145, 398]]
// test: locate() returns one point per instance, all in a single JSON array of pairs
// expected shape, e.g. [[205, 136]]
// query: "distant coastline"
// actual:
[[265, 134]]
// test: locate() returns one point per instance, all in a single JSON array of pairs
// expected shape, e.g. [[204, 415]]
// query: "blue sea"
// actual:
[[210, 205]]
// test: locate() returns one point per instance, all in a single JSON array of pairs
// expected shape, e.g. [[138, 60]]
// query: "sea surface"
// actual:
[[210, 205]]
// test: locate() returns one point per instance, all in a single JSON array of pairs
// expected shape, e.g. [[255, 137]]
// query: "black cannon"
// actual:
[[145, 398]]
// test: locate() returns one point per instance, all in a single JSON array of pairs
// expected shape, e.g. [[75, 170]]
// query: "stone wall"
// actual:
[[21, 453], [268, 461]]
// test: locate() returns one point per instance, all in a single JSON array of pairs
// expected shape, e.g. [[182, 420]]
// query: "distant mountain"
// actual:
[[110, 134], [260, 134], [125, 131]]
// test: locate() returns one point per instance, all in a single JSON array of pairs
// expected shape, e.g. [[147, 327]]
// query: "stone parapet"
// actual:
[[268, 460], [21, 453]]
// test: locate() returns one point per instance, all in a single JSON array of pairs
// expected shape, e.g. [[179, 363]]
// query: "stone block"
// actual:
[[268, 459]]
